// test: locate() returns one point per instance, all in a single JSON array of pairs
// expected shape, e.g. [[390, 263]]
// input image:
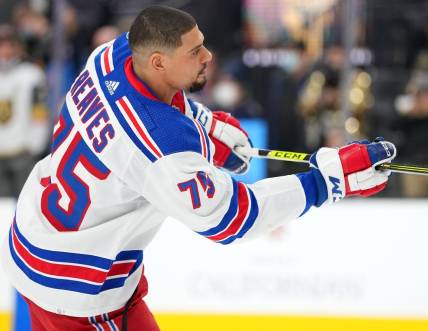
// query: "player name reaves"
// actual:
[[92, 112]]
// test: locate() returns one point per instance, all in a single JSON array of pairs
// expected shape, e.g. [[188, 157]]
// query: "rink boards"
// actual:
[[180, 322], [357, 265]]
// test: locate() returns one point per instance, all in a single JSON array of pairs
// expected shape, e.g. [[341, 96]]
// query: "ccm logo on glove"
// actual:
[[336, 192]]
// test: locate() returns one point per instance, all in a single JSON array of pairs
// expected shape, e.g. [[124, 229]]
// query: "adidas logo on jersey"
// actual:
[[111, 86]]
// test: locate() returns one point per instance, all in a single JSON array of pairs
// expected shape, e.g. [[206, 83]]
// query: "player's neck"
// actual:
[[160, 88]]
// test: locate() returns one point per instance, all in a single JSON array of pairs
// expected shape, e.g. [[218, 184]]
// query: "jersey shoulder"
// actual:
[[160, 130]]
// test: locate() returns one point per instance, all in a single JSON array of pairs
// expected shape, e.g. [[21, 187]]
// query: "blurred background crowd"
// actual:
[[318, 72]]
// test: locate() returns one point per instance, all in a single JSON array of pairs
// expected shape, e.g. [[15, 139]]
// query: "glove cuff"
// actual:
[[321, 187], [327, 161]]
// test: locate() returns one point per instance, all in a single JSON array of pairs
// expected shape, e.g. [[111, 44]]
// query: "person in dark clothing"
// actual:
[[413, 128]]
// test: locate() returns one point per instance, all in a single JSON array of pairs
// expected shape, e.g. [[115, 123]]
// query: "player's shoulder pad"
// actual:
[[176, 132], [168, 131]]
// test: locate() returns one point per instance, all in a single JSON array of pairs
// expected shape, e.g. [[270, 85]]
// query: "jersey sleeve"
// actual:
[[210, 202]]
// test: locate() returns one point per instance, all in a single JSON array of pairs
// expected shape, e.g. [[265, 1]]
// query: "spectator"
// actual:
[[225, 91], [413, 128], [23, 116], [319, 101], [104, 34], [286, 125], [35, 32], [85, 17], [7, 7]]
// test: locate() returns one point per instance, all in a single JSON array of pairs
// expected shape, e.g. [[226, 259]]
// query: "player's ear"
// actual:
[[157, 61]]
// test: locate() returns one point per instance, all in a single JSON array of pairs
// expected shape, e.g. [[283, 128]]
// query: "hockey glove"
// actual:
[[226, 134], [351, 170]]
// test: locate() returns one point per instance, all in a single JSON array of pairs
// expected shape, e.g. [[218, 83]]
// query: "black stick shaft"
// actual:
[[304, 158]]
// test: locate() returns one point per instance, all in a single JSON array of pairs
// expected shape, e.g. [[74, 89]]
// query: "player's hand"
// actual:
[[227, 134], [351, 170]]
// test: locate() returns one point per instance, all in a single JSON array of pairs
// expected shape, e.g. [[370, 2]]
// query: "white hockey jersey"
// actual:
[[121, 162]]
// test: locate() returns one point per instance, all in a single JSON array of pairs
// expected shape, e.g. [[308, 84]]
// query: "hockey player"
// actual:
[[130, 149]]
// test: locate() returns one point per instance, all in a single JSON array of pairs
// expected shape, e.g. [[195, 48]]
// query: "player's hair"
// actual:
[[160, 27]]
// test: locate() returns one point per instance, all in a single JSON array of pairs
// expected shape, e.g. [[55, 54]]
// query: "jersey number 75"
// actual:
[[192, 186], [78, 197]]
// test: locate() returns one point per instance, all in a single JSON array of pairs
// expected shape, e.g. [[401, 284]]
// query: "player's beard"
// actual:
[[198, 85]]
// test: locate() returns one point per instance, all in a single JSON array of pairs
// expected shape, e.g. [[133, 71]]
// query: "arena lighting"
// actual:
[[267, 57], [271, 57], [361, 56]]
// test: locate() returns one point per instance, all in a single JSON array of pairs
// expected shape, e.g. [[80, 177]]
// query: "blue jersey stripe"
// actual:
[[310, 187], [64, 131], [121, 50], [194, 110], [119, 282], [128, 255], [228, 217], [64, 257], [113, 327], [119, 116], [62, 284], [207, 140], [68, 284], [251, 218], [95, 323]]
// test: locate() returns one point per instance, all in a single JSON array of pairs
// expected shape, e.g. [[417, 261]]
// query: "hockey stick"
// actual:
[[304, 158]]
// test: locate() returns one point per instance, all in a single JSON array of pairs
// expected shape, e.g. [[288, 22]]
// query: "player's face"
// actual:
[[188, 63]]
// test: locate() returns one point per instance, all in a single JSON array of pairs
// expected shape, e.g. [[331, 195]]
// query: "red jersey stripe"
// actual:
[[203, 140], [121, 268], [60, 270], [106, 60], [141, 132], [236, 224]]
